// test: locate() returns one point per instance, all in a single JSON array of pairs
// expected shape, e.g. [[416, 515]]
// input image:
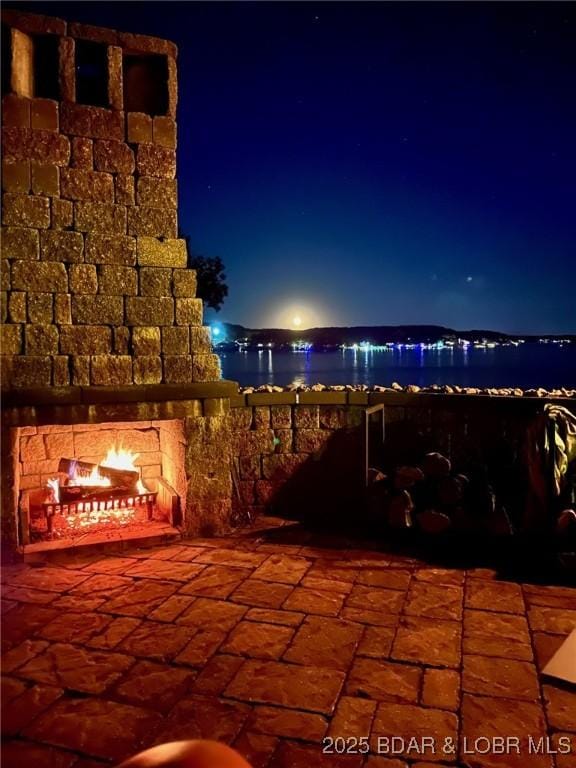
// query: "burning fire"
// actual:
[[115, 459]]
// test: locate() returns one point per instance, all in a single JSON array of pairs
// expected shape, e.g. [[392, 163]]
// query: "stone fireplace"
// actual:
[[122, 475], [105, 360]]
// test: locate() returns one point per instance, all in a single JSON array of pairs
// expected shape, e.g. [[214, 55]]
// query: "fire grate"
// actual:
[[115, 502]]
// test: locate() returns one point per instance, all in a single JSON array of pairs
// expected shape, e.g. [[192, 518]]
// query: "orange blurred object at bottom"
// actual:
[[187, 754]]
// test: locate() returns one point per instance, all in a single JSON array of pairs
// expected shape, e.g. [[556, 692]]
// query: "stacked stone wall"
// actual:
[[95, 284], [305, 452]]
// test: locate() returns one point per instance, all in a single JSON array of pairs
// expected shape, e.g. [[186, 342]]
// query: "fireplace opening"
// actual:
[[111, 479]]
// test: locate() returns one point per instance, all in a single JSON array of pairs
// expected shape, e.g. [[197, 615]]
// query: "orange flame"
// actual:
[[115, 459]]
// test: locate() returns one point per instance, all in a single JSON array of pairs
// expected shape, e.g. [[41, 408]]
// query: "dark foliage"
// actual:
[[212, 287]]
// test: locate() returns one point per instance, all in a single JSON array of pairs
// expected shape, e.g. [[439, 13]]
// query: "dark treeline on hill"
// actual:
[[375, 334]]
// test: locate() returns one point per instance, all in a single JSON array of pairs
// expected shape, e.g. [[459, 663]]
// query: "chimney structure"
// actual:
[[95, 285], [102, 341]]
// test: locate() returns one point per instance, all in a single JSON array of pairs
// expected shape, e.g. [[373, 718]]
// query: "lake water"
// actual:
[[527, 366]]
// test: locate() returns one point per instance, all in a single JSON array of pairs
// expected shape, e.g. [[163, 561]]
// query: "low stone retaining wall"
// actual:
[[302, 453]]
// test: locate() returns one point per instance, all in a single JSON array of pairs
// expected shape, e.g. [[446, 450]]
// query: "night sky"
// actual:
[[376, 163]]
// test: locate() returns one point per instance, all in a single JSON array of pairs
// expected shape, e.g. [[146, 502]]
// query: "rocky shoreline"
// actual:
[[434, 389]]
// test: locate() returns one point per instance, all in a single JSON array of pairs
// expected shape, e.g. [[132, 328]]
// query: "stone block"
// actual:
[[40, 307], [113, 157], [80, 370], [310, 440], [153, 160], [152, 222], [95, 34], [6, 278], [16, 177], [62, 213], [200, 340], [45, 180], [116, 280], [25, 211], [82, 278], [15, 111], [44, 115], [115, 79], [106, 249], [139, 128], [147, 44], [271, 398], [85, 340], [20, 243], [206, 368], [168, 253], [280, 467], [17, 307], [31, 371], [62, 309], [77, 184], [189, 311], [94, 310], [172, 87], [110, 370], [143, 311], [264, 490], [262, 417], [121, 340], [61, 246], [3, 306], [36, 146], [250, 468], [157, 193], [184, 283], [105, 218], [241, 419], [177, 369], [41, 339], [11, 337], [108, 124], [283, 440], [175, 341], [333, 418], [155, 281], [216, 406], [146, 341], [83, 153], [281, 416], [43, 276], [164, 131], [148, 370], [307, 417], [247, 492], [124, 191], [19, 47], [33, 23], [61, 371], [67, 69], [93, 122]]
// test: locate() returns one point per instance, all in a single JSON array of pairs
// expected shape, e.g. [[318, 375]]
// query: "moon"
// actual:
[[297, 321]]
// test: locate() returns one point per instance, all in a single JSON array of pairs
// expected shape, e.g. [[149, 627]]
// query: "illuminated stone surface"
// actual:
[[105, 655]]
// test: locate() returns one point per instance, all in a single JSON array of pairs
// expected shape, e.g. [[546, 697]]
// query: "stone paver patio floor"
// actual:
[[280, 646]]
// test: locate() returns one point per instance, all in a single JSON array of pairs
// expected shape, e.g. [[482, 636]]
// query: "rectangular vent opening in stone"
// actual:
[[146, 84], [112, 480], [91, 73], [45, 55]]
